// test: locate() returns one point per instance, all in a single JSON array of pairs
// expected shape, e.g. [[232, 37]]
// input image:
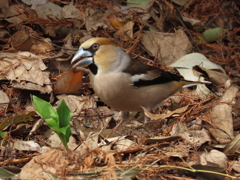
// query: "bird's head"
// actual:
[[99, 53]]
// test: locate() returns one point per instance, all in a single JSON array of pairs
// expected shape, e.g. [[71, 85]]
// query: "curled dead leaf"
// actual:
[[69, 83], [116, 22], [21, 40], [164, 116], [217, 77]]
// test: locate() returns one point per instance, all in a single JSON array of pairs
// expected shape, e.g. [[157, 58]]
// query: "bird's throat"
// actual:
[[93, 68]]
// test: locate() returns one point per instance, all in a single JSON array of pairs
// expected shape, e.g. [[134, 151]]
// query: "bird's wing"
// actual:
[[144, 75]]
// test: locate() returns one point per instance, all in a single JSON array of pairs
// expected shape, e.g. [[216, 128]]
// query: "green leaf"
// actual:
[[3, 134], [47, 111], [16, 118], [68, 133], [65, 129], [64, 139], [65, 135], [212, 35], [58, 121], [52, 123], [138, 1], [64, 114], [5, 174]]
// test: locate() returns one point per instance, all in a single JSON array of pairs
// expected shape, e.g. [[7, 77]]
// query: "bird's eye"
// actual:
[[95, 46]]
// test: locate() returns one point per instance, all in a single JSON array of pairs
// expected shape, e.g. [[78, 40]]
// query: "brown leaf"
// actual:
[[222, 116], [159, 45], [25, 71], [164, 116], [217, 77], [15, 119], [116, 22], [21, 41], [69, 83]]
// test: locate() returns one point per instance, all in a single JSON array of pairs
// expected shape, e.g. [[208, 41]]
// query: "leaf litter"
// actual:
[[193, 135]]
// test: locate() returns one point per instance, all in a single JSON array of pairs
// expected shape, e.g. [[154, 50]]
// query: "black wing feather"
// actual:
[[137, 68]]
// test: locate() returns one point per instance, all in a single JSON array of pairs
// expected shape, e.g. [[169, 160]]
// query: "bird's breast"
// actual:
[[116, 90]]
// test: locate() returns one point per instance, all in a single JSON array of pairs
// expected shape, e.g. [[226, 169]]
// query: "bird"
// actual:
[[123, 83]]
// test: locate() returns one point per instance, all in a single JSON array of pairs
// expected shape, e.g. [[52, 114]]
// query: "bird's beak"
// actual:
[[82, 58]]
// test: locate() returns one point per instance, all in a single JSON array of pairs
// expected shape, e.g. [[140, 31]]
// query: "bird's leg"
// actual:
[[147, 119], [125, 115]]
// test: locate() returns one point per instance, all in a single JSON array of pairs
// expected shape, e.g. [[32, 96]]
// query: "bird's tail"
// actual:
[[186, 84]]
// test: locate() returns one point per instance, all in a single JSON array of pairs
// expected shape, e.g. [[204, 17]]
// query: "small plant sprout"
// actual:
[[58, 120]]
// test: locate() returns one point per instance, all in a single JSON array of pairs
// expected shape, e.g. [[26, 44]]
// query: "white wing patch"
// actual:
[[137, 77], [150, 75]]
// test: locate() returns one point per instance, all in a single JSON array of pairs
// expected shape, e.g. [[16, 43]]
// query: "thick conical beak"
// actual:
[[82, 58]]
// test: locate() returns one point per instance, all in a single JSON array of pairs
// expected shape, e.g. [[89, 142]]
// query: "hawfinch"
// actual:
[[122, 83]]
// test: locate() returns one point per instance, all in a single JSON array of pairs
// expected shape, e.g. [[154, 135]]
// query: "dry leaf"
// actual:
[[123, 144], [116, 22], [218, 78], [71, 11], [53, 161], [42, 46], [76, 103], [164, 116], [90, 143], [4, 100], [126, 32], [196, 137], [159, 44], [186, 63], [55, 142], [222, 116], [22, 116], [233, 146], [69, 83], [48, 9], [26, 145], [96, 19], [236, 166], [214, 157], [25, 71], [21, 41]]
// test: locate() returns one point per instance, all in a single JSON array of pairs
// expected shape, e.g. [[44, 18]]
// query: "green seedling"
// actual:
[[58, 120]]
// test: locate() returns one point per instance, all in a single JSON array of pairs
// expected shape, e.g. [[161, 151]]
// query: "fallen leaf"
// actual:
[[21, 41], [196, 137], [15, 119], [126, 32], [90, 143], [25, 71], [218, 78], [116, 22], [236, 166], [71, 11], [214, 157], [51, 162], [123, 144], [55, 142], [48, 9], [4, 100], [96, 19], [5, 173], [69, 83], [164, 116], [233, 146], [186, 63], [26, 145], [159, 44], [221, 116], [214, 34]]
